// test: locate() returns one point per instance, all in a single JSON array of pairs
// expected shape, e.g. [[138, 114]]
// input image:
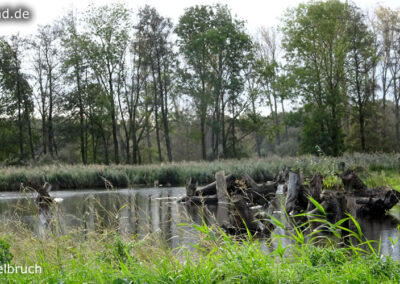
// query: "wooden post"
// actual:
[[315, 190], [222, 192], [223, 216], [191, 185], [292, 193]]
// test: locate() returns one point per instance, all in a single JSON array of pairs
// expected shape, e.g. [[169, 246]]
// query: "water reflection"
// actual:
[[145, 211]]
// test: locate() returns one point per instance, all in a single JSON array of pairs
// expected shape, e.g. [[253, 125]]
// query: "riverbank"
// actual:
[[105, 257], [121, 176]]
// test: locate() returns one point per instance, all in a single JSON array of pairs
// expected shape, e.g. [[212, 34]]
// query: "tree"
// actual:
[[215, 47], [157, 30], [360, 64], [387, 20], [17, 93], [254, 91], [268, 69], [73, 67], [192, 31], [107, 40], [316, 48], [99, 123], [46, 66]]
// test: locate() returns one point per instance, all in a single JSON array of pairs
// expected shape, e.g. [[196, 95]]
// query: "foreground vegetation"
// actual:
[[105, 257], [99, 176]]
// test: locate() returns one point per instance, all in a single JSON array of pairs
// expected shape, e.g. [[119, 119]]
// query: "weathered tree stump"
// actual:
[[292, 192], [377, 206], [296, 199], [222, 191], [352, 183], [373, 202], [211, 188], [223, 217], [283, 175], [44, 200], [243, 192], [315, 190], [191, 186]]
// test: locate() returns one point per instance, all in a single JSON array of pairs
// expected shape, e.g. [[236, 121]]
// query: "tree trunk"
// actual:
[[203, 114], [284, 115], [222, 192], [203, 138], [44, 131], [28, 122], [362, 128], [81, 114], [164, 109], [224, 147], [123, 121], [292, 192], [277, 131], [148, 141], [257, 136], [113, 120], [20, 126], [397, 126], [50, 118], [233, 133], [105, 146], [92, 132], [160, 159]]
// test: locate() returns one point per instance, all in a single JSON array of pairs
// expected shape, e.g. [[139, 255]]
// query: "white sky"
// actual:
[[256, 13]]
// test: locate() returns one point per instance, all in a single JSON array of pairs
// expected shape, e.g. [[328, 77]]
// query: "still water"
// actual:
[[141, 212]]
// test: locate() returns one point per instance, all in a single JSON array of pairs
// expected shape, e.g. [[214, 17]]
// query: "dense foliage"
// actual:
[[111, 85]]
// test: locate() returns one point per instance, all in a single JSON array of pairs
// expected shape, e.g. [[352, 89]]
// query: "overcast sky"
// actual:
[[255, 12]]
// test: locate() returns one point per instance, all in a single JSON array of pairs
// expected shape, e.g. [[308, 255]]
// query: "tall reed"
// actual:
[[94, 176]]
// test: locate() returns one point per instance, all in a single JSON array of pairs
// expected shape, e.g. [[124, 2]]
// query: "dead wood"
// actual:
[[352, 183], [191, 186], [315, 190], [221, 187], [211, 188], [44, 200], [296, 199]]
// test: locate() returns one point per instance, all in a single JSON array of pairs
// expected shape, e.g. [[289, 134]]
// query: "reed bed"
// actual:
[[63, 176]]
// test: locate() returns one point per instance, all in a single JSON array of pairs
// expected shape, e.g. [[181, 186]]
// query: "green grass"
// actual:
[[104, 256], [94, 176], [108, 258], [389, 178]]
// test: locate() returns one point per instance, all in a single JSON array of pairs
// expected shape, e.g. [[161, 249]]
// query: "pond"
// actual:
[[140, 212]]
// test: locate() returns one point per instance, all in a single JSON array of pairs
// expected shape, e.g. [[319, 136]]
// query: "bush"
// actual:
[[5, 254]]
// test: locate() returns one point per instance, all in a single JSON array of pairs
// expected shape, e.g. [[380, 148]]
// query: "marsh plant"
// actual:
[[293, 254], [63, 176]]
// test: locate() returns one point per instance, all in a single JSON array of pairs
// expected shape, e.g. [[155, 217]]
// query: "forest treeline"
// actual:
[[112, 85]]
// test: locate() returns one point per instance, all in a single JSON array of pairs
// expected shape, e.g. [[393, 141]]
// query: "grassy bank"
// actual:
[[95, 176], [107, 258]]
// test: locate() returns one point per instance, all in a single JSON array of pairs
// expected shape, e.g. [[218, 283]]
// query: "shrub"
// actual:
[[5, 254]]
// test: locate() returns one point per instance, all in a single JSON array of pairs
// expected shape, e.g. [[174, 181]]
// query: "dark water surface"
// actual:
[[144, 211]]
